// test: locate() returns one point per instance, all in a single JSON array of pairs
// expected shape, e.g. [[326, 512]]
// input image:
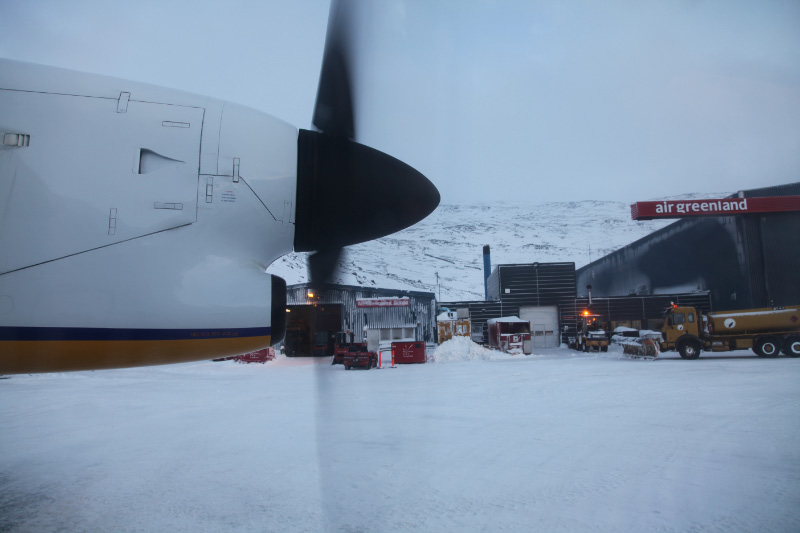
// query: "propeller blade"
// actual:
[[348, 193], [334, 112], [322, 265]]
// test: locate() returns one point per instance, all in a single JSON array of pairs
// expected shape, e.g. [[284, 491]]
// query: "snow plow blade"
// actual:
[[641, 349]]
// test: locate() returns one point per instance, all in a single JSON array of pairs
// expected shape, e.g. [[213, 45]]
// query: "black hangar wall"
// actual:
[[743, 261]]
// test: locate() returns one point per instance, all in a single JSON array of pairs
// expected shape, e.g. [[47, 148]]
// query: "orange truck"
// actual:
[[766, 331]]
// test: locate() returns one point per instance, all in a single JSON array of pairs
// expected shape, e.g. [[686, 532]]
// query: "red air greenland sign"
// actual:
[[383, 302], [715, 208]]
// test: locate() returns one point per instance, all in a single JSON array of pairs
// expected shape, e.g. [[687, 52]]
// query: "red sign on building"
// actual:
[[383, 302], [719, 207]]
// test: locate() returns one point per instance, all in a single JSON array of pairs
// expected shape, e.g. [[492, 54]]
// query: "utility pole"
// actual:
[[438, 288]]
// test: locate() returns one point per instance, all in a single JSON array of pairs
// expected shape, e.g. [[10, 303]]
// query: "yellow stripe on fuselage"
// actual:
[[24, 357]]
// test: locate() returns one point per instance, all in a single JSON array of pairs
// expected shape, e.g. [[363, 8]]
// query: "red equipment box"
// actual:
[[408, 352]]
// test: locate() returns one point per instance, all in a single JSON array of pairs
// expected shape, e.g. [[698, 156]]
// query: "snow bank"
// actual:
[[463, 349]]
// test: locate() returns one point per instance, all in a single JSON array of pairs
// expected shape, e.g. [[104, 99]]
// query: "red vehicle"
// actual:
[[259, 356], [357, 356], [323, 344], [408, 352], [344, 340], [510, 334]]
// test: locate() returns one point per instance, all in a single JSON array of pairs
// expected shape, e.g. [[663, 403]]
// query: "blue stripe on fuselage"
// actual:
[[116, 334]]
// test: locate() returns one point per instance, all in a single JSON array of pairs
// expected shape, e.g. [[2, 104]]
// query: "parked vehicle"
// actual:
[[591, 333], [357, 356], [510, 334], [766, 331], [342, 344], [621, 333], [323, 343]]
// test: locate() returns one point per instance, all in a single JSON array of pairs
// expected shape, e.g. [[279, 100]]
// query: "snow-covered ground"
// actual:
[[558, 441]]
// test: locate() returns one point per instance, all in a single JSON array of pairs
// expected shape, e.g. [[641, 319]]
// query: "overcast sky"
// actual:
[[492, 100]]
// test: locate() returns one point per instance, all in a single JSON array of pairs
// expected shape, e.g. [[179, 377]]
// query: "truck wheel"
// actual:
[[604, 348], [792, 346], [689, 350], [767, 347]]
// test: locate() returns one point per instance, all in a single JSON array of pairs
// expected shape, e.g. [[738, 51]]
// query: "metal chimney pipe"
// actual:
[[487, 270]]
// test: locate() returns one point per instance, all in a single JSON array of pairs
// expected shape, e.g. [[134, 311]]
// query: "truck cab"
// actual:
[[680, 321], [591, 333], [682, 331]]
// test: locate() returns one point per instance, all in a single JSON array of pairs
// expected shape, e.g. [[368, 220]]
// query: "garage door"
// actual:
[[544, 325]]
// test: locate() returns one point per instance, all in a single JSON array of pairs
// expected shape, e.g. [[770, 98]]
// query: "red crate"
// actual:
[[408, 352]]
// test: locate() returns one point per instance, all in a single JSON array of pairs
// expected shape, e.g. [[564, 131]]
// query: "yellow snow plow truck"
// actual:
[[591, 333], [766, 331]]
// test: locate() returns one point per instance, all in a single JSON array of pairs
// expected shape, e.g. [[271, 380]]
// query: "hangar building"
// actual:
[[743, 261], [315, 313]]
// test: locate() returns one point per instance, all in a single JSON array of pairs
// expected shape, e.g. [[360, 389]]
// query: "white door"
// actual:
[[544, 325]]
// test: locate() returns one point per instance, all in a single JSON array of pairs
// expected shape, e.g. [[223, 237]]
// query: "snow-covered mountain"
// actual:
[[450, 241]]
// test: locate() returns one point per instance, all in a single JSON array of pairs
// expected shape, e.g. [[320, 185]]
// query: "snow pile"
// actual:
[[462, 349]]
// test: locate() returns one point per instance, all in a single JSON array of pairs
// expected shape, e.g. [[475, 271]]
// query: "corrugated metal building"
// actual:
[[530, 291], [312, 310], [538, 289], [744, 261], [545, 294]]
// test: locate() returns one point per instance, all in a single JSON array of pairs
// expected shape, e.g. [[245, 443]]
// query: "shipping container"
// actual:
[[408, 352]]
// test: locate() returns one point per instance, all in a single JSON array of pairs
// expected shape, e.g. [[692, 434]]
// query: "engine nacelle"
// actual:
[[137, 223]]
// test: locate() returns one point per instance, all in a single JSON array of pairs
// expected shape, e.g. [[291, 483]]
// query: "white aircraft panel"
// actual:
[[262, 150], [94, 172]]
